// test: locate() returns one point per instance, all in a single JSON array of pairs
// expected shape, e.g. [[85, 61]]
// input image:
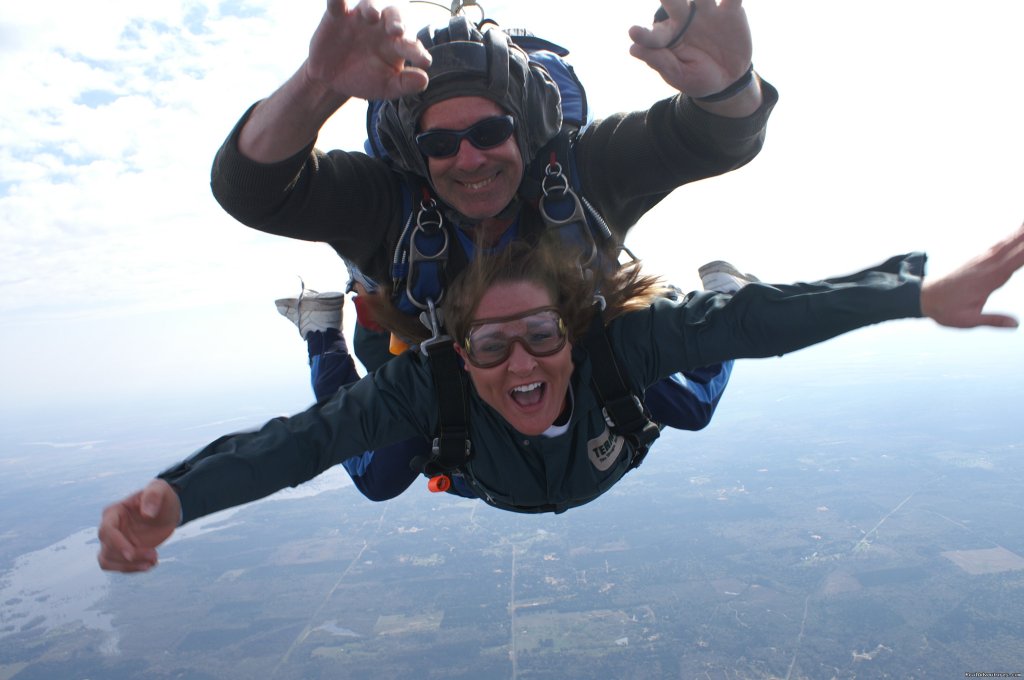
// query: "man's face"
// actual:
[[479, 183], [528, 391]]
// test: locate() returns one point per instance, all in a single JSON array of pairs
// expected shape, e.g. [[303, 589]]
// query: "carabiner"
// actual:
[[429, 222]]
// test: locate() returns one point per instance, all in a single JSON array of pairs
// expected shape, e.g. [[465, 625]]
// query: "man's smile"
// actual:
[[479, 184]]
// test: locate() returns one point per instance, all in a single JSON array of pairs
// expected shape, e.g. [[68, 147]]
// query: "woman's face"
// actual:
[[528, 391]]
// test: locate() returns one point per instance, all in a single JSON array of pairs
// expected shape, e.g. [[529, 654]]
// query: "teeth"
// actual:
[[478, 185], [527, 388]]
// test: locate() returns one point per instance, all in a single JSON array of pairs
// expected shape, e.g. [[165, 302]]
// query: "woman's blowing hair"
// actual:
[[624, 289], [546, 265]]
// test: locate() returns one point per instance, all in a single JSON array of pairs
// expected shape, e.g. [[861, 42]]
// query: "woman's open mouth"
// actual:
[[529, 394]]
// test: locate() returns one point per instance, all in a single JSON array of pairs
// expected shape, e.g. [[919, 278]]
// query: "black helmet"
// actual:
[[469, 63]]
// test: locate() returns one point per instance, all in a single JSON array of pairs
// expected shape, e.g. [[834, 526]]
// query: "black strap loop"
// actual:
[[451, 448]]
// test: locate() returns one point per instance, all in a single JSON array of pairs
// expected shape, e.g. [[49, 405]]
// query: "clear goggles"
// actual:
[[486, 134], [540, 331]]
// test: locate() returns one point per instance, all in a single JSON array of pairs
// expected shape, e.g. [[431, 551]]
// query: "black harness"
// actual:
[[623, 410]]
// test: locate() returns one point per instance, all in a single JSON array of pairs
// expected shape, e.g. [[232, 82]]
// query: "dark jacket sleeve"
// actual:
[[348, 200], [394, 404], [763, 320], [629, 162]]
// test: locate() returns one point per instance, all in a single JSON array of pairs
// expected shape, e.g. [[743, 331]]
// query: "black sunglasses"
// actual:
[[485, 134]]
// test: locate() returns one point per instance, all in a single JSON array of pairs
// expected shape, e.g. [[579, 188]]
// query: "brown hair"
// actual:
[[625, 289], [545, 264]]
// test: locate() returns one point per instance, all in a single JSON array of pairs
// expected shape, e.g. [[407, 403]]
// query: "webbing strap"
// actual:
[[451, 446], [623, 410]]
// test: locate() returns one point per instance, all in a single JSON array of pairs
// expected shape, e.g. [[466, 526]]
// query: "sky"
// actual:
[[122, 283]]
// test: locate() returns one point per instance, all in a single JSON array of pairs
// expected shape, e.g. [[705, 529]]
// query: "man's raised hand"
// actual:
[[364, 52]]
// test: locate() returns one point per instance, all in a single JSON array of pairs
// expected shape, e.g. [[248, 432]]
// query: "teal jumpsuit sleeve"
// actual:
[[391, 405], [763, 320]]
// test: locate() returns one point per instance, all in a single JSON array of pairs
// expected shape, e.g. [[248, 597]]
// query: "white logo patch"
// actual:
[[604, 450]]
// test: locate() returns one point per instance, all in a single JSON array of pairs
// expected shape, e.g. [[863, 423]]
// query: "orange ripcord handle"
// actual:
[[439, 484]]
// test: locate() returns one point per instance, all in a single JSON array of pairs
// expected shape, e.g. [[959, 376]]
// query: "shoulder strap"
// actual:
[[451, 447], [624, 411]]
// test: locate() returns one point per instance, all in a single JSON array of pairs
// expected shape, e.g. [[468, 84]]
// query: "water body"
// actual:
[[57, 586]]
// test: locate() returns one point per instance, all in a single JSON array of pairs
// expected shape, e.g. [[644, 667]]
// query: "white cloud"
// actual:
[[107, 139], [896, 130]]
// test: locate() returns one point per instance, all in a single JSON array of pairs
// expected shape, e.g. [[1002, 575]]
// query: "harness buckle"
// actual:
[[435, 446], [431, 318], [558, 193], [428, 217], [618, 405], [429, 223]]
